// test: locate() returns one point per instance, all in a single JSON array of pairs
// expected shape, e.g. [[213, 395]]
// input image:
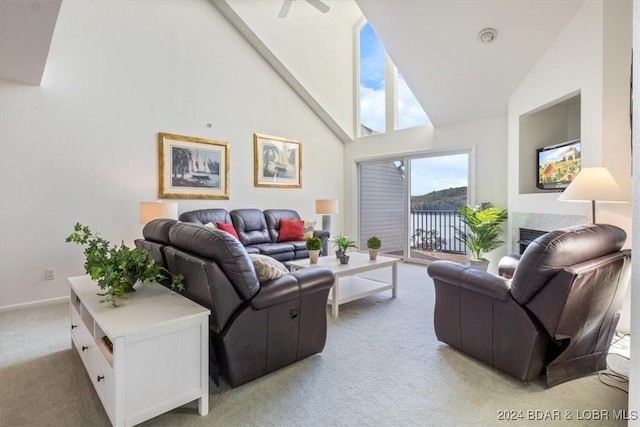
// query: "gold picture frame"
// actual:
[[192, 168], [277, 162]]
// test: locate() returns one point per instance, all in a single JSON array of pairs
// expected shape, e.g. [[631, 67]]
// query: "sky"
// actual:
[[427, 174], [372, 88], [438, 173]]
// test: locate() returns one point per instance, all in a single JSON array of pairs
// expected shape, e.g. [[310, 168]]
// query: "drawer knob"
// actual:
[[100, 378], [74, 326], [84, 347]]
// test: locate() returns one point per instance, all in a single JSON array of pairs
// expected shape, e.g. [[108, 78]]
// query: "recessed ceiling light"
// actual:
[[487, 35]]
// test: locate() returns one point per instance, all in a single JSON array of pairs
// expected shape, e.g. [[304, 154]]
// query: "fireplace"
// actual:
[[528, 235], [539, 223]]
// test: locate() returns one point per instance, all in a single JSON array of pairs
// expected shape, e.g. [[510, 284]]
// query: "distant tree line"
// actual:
[[441, 200]]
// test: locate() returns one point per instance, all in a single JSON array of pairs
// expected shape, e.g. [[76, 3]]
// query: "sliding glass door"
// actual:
[[409, 203], [382, 200]]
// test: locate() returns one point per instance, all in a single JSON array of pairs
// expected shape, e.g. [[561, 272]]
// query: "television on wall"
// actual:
[[558, 165]]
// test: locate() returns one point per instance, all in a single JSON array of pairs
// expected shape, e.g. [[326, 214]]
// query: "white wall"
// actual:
[[591, 56], [83, 145], [488, 181]]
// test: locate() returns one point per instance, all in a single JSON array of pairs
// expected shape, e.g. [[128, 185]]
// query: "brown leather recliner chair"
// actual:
[[558, 312], [255, 328]]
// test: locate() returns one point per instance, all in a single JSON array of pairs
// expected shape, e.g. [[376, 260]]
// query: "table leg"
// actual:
[[334, 296], [203, 402], [394, 280]]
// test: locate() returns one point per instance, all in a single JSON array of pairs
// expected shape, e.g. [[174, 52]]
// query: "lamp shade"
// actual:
[[326, 206], [594, 184], [154, 210]]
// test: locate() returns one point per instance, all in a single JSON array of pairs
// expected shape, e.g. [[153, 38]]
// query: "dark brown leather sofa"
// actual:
[[259, 230], [255, 328], [558, 313]]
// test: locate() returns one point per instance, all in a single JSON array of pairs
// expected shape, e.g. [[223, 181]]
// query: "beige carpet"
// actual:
[[382, 366]]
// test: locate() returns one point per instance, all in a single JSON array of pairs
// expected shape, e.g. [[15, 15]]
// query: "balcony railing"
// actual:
[[435, 231]]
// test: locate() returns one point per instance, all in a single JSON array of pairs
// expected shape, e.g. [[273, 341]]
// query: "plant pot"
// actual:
[[373, 254], [339, 253], [344, 259], [479, 264], [130, 288], [313, 256]]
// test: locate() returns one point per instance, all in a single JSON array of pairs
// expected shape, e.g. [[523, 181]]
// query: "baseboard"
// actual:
[[33, 304]]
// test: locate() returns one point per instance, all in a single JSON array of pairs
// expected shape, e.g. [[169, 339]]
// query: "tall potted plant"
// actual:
[[482, 231], [117, 268]]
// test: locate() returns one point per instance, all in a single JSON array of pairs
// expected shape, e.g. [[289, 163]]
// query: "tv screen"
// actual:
[[558, 165]]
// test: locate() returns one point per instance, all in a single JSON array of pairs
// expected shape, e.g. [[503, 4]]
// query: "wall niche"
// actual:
[[551, 124]]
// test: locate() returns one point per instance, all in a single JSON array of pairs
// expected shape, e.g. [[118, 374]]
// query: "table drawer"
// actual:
[[104, 381]]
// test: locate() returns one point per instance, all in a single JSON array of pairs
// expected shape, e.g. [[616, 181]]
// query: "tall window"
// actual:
[[410, 112], [376, 97], [372, 87]]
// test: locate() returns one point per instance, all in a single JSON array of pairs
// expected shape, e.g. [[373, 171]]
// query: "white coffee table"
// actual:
[[349, 287]]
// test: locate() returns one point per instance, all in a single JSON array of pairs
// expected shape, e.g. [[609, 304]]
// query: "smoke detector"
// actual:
[[487, 35]]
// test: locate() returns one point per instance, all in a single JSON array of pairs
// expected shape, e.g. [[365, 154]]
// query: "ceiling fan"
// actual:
[[318, 4]]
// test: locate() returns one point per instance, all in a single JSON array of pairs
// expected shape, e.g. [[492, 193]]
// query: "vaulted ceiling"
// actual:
[[26, 28], [434, 44], [455, 77]]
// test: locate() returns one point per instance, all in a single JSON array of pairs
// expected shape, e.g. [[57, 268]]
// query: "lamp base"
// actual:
[[326, 223]]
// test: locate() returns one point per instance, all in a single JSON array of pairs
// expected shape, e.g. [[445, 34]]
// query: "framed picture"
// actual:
[[192, 168], [277, 162]]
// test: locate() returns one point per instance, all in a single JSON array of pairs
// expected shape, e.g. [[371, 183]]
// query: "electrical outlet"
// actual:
[[49, 273]]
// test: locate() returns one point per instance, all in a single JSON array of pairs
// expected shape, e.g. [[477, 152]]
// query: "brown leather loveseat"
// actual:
[[255, 327], [558, 313]]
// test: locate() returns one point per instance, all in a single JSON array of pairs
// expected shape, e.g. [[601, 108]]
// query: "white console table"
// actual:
[[160, 350]]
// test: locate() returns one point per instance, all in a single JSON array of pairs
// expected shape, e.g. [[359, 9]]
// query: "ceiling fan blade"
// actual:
[[321, 6], [284, 10]]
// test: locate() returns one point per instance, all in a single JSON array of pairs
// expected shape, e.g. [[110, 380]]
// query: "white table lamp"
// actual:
[[154, 210], [326, 207], [591, 185]]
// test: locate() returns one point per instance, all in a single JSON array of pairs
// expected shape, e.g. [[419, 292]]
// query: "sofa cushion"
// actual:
[[204, 216], [267, 268], [250, 226], [291, 230], [299, 246], [228, 228], [274, 248], [252, 250]]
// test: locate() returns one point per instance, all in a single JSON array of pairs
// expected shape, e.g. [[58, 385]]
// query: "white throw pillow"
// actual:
[[309, 228], [267, 268], [210, 225]]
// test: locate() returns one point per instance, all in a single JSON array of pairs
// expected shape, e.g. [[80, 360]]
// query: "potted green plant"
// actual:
[[482, 232], [117, 268], [314, 245], [373, 243], [343, 243]]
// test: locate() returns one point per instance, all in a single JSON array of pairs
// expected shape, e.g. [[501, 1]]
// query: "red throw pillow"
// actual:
[[228, 228], [291, 230]]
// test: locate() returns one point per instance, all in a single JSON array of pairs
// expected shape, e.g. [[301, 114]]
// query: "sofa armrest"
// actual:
[[293, 286], [507, 265], [471, 279]]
